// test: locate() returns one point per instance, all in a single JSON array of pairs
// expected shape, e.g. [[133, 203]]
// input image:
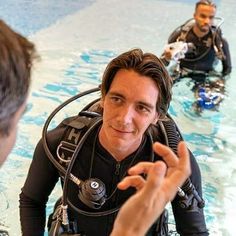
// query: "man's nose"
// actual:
[[207, 21], [126, 114]]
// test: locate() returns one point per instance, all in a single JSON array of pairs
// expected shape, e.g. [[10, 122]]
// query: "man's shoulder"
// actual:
[[77, 126], [80, 121], [164, 130], [74, 122], [181, 31]]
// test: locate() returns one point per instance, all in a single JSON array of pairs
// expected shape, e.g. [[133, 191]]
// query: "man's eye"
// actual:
[[115, 99], [142, 108]]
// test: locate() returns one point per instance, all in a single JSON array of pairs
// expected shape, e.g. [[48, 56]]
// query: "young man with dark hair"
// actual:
[[135, 97]]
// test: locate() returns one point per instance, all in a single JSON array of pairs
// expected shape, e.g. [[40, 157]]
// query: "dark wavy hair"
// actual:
[[145, 64], [16, 56]]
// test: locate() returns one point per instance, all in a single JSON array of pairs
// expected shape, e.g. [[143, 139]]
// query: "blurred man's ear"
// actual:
[[156, 118], [102, 102]]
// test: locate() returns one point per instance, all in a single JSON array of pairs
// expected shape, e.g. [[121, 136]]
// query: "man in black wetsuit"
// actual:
[[208, 44], [136, 93], [16, 57]]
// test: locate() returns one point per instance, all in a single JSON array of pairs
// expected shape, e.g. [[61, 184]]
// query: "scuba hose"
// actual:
[[49, 119], [187, 192]]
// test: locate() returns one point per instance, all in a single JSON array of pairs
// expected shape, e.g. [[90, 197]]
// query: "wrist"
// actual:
[[117, 231]]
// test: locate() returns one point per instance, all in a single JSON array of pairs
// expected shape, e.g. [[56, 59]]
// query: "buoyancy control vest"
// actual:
[[216, 38], [76, 128]]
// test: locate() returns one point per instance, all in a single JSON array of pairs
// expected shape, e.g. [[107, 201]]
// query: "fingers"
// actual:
[[171, 159], [166, 153], [178, 170], [132, 181], [184, 160], [156, 172], [183, 169], [156, 176], [179, 173], [168, 55], [140, 168]]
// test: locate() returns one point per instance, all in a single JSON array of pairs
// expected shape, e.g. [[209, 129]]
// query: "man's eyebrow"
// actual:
[[150, 106], [116, 94], [204, 15]]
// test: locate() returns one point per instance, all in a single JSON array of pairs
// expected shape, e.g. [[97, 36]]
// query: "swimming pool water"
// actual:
[[76, 39]]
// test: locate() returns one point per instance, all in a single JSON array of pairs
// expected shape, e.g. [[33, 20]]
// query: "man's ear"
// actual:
[[102, 102], [156, 118]]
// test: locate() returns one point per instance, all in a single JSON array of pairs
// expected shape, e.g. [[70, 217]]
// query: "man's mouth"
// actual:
[[122, 131], [204, 28]]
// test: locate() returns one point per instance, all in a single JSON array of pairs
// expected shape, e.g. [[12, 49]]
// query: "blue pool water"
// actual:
[[31, 16], [76, 39]]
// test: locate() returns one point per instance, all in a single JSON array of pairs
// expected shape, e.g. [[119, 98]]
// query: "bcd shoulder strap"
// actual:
[[185, 28], [76, 127], [169, 131]]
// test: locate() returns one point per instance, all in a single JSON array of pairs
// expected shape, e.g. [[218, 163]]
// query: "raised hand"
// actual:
[[160, 187]]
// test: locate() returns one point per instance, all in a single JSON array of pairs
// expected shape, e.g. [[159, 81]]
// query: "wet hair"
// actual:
[[16, 56], [206, 3], [145, 64]]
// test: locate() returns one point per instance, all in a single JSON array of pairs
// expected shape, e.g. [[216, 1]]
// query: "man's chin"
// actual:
[[204, 29]]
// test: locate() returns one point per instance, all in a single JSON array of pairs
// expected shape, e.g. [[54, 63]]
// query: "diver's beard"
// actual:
[[203, 29]]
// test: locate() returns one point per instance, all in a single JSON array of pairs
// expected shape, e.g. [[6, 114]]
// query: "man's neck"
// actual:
[[118, 153]]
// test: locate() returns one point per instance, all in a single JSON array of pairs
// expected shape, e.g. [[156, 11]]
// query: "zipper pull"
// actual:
[[117, 172]]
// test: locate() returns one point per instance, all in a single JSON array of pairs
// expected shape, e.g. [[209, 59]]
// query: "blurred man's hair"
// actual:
[[16, 57], [205, 2]]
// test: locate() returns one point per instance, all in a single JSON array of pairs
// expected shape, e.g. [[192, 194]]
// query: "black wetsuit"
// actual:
[[203, 57], [43, 176]]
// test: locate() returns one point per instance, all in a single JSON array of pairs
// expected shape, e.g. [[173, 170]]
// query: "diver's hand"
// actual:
[[163, 179], [167, 55], [175, 51]]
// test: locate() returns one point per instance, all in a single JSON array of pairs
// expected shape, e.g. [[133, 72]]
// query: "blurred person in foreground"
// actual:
[[16, 58]]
